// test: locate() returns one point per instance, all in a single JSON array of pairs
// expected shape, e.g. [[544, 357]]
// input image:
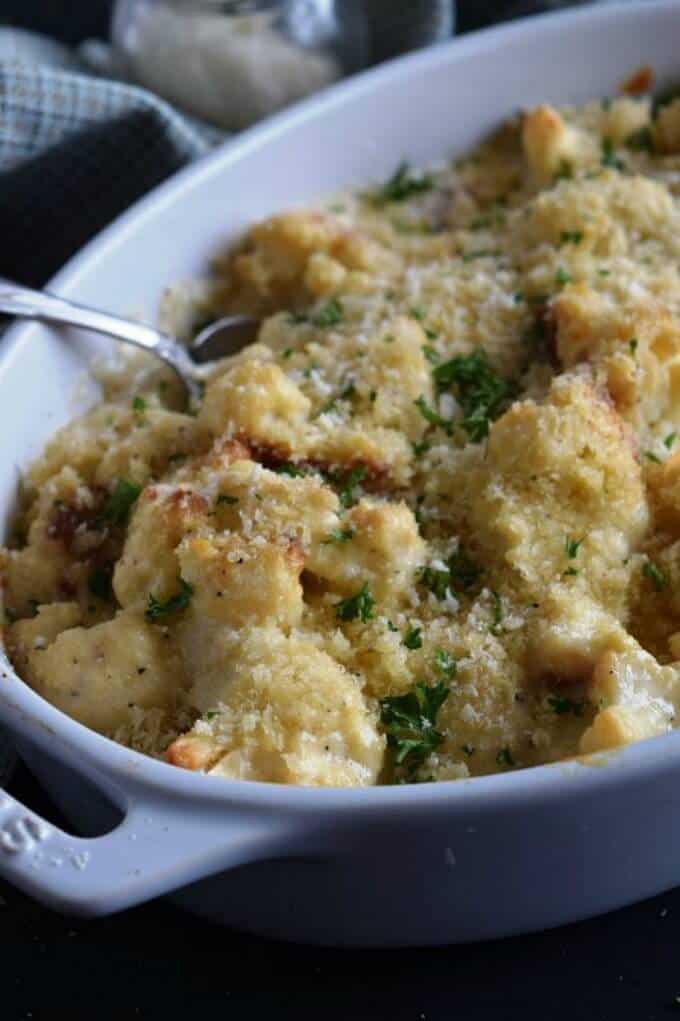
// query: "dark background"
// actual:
[[155, 962]]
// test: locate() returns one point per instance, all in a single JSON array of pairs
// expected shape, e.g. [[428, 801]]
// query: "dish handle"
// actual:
[[153, 850]]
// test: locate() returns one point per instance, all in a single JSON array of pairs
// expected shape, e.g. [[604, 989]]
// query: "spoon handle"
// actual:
[[17, 300]]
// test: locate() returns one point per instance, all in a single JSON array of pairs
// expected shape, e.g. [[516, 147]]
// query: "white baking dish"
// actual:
[[385, 866]]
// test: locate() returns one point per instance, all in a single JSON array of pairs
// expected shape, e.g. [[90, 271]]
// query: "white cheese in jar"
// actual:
[[231, 70]]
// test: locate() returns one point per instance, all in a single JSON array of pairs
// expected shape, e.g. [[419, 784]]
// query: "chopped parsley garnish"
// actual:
[[287, 352], [417, 313], [430, 354], [295, 318], [479, 253], [412, 639], [633, 345], [504, 757], [409, 722], [357, 607], [223, 498], [420, 448], [436, 580], [346, 483], [391, 626], [338, 535], [655, 575], [432, 416], [402, 185], [99, 581], [651, 456], [565, 171], [139, 404], [157, 610], [117, 508], [288, 468], [561, 705], [460, 570], [348, 393], [562, 276], [640, 140], [609, 159], [571, 547], [212, 713], [481, 391], [445, 663], [670, 440], [571, 237], [330, 315]]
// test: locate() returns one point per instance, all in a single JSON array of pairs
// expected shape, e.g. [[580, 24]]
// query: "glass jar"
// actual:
[[232, 62]]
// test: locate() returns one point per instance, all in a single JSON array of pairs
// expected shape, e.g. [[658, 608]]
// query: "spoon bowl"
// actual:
[[224, 337]]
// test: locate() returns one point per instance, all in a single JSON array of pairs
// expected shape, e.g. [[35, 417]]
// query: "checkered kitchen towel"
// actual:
[[74, 152]]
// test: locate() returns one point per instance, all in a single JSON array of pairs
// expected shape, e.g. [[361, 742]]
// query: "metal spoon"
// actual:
[[217, 340]]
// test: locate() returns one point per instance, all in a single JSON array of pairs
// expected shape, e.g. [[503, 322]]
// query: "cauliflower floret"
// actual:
[[281, 710], [98, 675], [237, 582], [381, 547], [636, 697], [559, 496]]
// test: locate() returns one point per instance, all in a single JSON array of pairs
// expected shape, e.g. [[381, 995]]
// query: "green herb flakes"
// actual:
[[117, 508], [346, 482], [445, 663], [337, 536], [433, 417], [482, 393], [562, 277], [409, 721], [609, 158], [139, 404], [330, 315], [402, 185], [223, 498], [412, 638], [561, 705], [157, 610], [504, 757], [670, 440], [357, 607], [571, 237], [571, 547], [288, 468], [655, 575]]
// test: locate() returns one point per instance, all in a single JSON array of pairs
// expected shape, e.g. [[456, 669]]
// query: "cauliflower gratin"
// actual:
[[428, 526]]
